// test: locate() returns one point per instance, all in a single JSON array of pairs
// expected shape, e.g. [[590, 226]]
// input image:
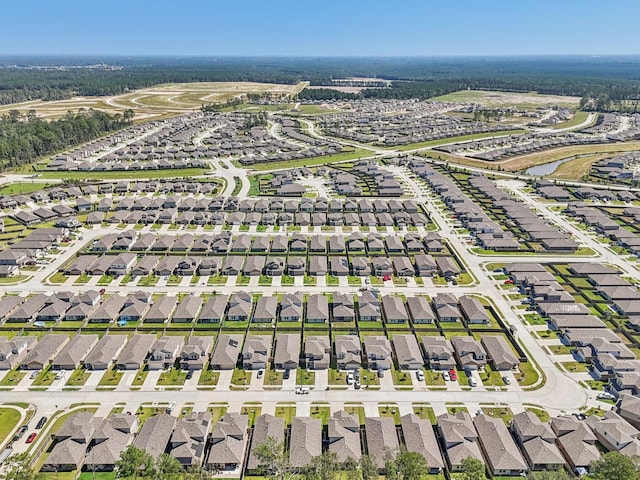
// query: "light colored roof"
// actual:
[[287, 348], [419, 437], [344, 437], [75, 351], [106, 349]]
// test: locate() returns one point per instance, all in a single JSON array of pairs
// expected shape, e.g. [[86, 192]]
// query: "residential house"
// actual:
[[287, 351], [348, 352], [46, 350], [378, 351], [74, 352], [439, 353], [266, 426], [195, 352], [499, 352], [213, 310], [469, 352], [189, 439], [407, 350], [317, 352], [155, 434], [305, 441], [459, 439], [165, 351], [419, 437], [226, 352], [381, 438], [343, 434], [135, 352], [500, 450], [105, 352], [228, 443], [256, 352], [537, 442]]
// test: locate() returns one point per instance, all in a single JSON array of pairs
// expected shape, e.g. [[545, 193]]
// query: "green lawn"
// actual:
[[390, 410], [287, 412], [58, 277], [9, 418], [174, 376], [115, 175], [78, 378], [23, 188], [401, 378], [111, 378], [305, 377], [462, 138], [252, 411], [322, 412], [45, 378], [208, 377], [241, 377], [425, 412], [499, 412], [12, 378], [309, 162], [271, 377], [141, 376]]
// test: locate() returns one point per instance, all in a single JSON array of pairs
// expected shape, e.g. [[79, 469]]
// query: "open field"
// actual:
[[120, 174], [156, 102], [525, 161], [310, 162], [576, 169], [509, 99]]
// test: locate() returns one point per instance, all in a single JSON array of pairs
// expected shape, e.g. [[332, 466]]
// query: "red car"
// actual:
[[386, 277], [453, 374], [508, 282], [31, 437]]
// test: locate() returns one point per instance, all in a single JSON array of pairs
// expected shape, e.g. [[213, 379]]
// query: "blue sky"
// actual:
[[320, 27]]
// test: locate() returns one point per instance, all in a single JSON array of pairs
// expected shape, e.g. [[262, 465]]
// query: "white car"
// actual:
[[506, 380], [350, 378], [446, 376], [420, 375]]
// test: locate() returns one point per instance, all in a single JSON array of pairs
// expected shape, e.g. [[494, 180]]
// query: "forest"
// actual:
[[25, 138], [604, 83]]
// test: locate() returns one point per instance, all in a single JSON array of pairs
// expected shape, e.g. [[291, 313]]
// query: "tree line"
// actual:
[[25, 138], [607, 83]]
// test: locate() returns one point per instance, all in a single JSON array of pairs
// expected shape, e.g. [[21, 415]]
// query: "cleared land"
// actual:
[[576, 169], [156, 102], [509, 99]]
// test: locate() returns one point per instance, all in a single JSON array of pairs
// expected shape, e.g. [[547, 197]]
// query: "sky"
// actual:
[[320, 27]]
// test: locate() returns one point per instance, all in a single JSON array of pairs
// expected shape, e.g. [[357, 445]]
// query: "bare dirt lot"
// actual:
[[156, 102], [530, 100]]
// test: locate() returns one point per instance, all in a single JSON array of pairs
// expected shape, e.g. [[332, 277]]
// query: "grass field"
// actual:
[[156, 102], [9, 418], [310, 162], [23, 188], [138, 174], [577, 168], [525, 161], [462, 138], [509, 99], [579, 118]]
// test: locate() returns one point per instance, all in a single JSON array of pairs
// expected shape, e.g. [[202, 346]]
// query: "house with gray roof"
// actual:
[[576, 441], [213, 310], [615, 433], [394, 309], [108, 311], [161, 310], [135, 352], [499, 352], [105, 352], [195, 352], [74, 352], [13, 350], [266, 310], [305, 442], [343, 434], [317, 308], [287, 351], [71, 443], [110, 438], [291, 307], [407, 350], [473, 310], [256, 352], [420, 310], [47, 348], [439, 353], [189, 438], [226, 352], [228, 443], [419, 437], [348, 352], [381, 438], [317, 352], [469, 352], [154, 435], [187, 310], [500, 451], [266, 426], [343, 307], [239, 307], [165, 351], [459, 439], [378, 351], [537, 442]]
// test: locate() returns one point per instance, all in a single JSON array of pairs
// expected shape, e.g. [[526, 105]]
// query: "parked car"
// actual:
[[446, 376], [21, 432], [380, 373], [605, 396], [473, 382], [286, 374], [506, 380], [189, 375], [420, 375], [31, 437], [260, 373], [41, 423], [34, 374], [453, 374], [302, 391], [356, 385], [350, 378]]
